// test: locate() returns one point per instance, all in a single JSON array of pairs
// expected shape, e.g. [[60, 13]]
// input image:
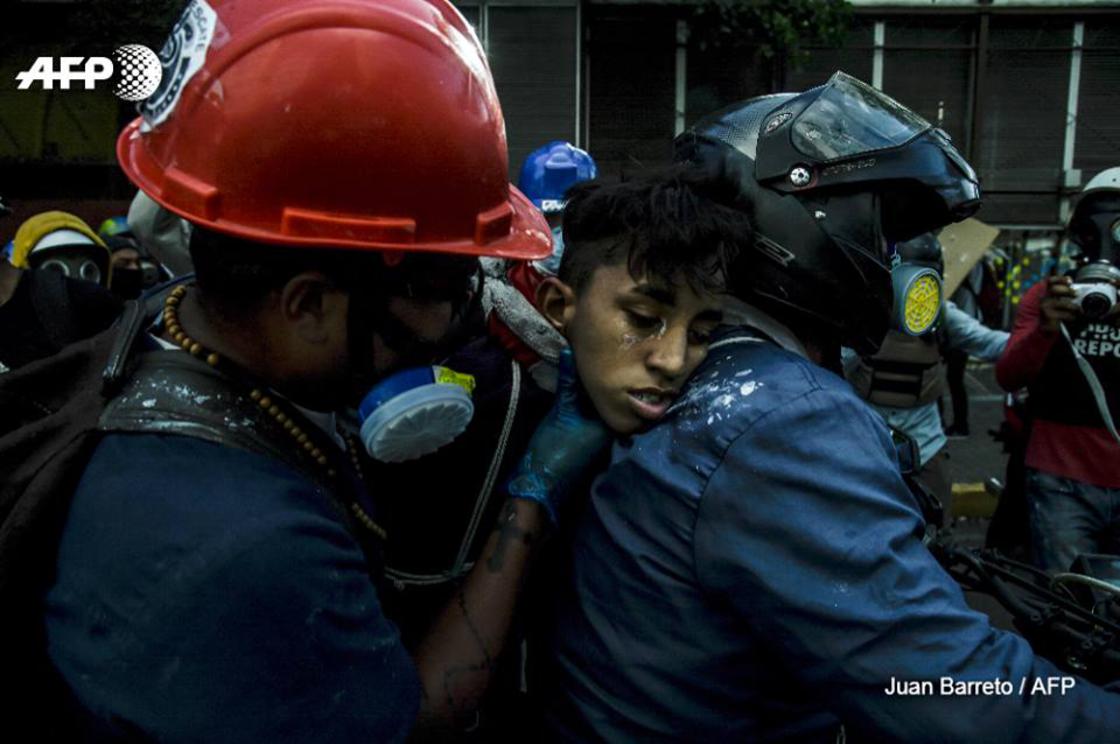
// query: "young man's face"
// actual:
[[636, 342]]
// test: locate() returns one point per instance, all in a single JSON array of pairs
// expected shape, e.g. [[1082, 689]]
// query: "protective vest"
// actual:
[[905, 373], [1061, 393]]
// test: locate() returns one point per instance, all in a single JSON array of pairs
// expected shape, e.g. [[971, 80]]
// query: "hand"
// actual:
[[566, 443], [1057, 305]]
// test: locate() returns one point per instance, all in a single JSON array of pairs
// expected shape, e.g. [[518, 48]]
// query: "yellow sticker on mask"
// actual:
[[451, 377]]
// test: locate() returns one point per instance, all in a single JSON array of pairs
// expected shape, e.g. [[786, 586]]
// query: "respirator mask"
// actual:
[[916, 279], [422, 407], [917, 298], [414, 412]]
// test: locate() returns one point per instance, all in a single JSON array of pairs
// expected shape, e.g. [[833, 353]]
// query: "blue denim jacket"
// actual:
[[751, 570]]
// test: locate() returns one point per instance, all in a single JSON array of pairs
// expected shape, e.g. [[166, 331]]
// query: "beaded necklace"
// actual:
[[302, 438]]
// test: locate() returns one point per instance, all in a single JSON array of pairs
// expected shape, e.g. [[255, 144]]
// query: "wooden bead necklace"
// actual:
[[272, 408]]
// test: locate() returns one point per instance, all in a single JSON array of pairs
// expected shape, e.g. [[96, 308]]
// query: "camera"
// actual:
[[1093, 290]]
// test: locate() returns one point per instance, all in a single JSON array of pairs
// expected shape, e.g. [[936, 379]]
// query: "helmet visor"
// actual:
[[851, 118]]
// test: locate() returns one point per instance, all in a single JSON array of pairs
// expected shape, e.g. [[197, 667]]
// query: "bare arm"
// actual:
[[457, 659]]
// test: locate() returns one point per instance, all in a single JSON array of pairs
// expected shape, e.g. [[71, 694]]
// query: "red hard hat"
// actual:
[[336, 123]]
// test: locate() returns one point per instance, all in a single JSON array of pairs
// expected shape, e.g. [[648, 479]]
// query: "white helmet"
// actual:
[[1095, 223]]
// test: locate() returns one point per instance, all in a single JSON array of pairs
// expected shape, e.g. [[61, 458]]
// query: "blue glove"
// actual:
[[567, 442]]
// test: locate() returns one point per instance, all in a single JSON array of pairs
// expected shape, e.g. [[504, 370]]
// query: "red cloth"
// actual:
[[1082, 453]]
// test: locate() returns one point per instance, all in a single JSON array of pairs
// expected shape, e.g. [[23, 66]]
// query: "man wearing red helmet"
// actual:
[[216, 574]]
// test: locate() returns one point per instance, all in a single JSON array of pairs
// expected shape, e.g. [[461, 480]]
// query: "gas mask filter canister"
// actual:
[[415, 412], [917, 298]]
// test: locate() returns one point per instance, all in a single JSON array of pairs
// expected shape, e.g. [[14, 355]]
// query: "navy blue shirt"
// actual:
[[209, 594], [751, 570]]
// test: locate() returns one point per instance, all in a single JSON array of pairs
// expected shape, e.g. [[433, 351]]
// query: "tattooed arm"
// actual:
[[457, 658]]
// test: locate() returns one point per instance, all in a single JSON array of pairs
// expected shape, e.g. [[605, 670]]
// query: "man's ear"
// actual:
[[313, 307], [556, 301]]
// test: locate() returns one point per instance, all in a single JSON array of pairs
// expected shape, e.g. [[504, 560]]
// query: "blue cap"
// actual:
[[548, 172]]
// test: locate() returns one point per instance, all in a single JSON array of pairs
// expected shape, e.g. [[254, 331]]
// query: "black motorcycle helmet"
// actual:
[[924, 250], [832, 178]]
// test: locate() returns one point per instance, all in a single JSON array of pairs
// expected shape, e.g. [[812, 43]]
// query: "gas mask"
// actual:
[[918, 296], [415, 412]]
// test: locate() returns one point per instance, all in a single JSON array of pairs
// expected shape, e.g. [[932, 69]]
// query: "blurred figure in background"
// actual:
[[1065, 349], [163, 234], [52, 288], [509, 296], [133, 270], [967, 300]]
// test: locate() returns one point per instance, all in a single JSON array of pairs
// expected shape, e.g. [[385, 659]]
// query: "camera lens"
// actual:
[[1095, 304]]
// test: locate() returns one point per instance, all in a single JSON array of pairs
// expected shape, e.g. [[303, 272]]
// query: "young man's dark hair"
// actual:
[[667, 223], [637, 291]]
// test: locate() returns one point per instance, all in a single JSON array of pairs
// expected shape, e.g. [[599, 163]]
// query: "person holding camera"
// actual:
[[1065, 348]]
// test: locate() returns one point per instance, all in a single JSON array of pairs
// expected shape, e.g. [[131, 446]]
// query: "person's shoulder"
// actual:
[[180, 506], [244, 571], [753, 390], [195, 486], [746, 376]]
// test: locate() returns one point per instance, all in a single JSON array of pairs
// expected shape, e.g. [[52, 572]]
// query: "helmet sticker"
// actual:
[[182, 56]]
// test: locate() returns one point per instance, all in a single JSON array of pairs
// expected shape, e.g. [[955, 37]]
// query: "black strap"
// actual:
[[51, 299], [134, 321]]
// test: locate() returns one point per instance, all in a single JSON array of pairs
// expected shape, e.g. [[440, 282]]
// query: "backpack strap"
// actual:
[[137, 315], [171, 392]]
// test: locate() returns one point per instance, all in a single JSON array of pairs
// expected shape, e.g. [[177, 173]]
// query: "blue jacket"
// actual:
[[206, 593], [751, 570]]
